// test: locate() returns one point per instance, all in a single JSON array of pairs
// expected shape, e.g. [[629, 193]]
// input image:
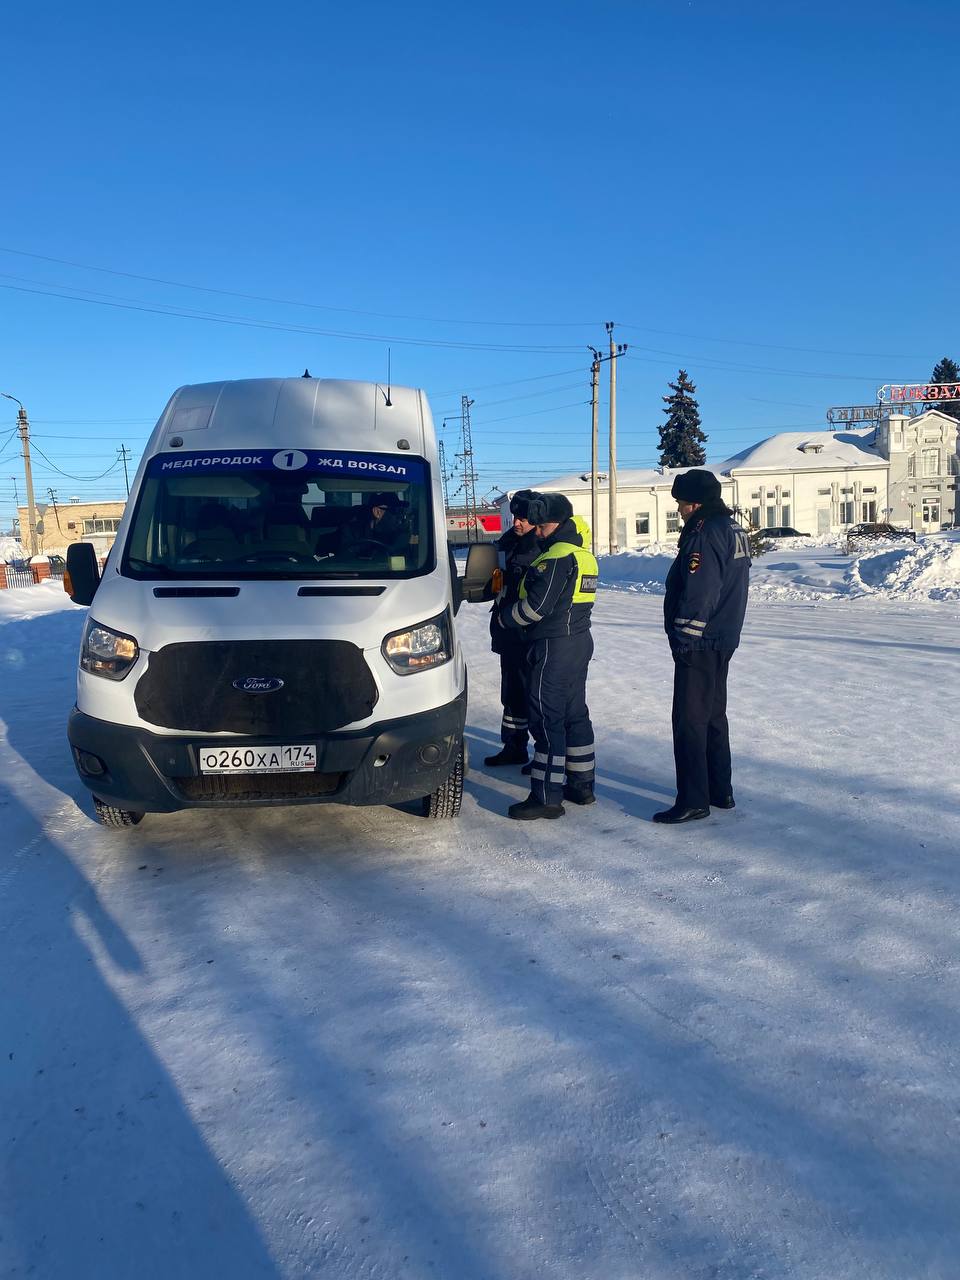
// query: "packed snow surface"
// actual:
[[360, 1045]]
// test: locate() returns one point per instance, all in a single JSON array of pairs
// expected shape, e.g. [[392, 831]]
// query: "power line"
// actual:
[[388, 315], [80, 479], [248, 322], [294, 302]]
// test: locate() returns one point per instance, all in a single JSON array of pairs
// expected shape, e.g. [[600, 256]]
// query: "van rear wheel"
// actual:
[[445, 801], [110, 816]]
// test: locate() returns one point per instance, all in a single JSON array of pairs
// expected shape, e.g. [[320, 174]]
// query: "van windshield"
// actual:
[[290, 513]]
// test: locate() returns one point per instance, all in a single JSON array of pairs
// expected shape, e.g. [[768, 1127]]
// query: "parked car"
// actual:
[[859, 535], [782, 531]]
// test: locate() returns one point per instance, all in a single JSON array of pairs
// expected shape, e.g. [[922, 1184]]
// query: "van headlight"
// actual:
[[418, 648], [107, 653]]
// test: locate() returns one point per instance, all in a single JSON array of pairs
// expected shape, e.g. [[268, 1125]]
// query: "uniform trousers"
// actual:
[[701, 737], [513, 692], [559, 718]]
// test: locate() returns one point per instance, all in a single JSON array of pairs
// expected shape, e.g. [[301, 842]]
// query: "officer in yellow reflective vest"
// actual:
[[553, 613]]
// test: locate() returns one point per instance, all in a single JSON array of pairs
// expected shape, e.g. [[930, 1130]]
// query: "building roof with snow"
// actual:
[[627, 478], [807, 451], [785, 451]]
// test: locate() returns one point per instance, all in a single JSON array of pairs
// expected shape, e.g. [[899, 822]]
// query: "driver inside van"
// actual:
[[379, 525]]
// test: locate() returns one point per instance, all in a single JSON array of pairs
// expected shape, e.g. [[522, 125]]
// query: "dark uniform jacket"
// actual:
[[706, 590], [516, 553], [548, 608]]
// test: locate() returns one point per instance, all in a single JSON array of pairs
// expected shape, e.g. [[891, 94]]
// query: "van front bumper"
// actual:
[[389, 763]]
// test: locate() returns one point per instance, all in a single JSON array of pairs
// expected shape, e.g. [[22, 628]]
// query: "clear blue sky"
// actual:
[[763, 193]]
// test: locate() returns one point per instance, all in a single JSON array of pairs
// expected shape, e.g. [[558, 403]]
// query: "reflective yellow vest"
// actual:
[[585, 588]]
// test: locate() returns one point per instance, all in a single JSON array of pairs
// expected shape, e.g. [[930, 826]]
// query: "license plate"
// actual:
[[294, 759]]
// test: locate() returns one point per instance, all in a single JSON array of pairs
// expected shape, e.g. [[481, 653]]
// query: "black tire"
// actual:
[[110, 816], [445, 801]]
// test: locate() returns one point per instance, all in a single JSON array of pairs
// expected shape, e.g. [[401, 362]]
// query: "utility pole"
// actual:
[[443, 475], [124, 453], [469, 475], [594, 443], [53, 498], [23, 426], [616, 350]]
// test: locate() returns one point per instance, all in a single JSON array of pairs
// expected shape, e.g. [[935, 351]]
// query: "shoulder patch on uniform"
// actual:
[[694, 564], [542, 568]]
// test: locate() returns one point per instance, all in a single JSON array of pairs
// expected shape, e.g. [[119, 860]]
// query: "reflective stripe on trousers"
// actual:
[[559, 718]]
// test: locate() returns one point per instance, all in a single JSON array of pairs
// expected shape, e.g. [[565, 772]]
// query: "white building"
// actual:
[[814, 481]]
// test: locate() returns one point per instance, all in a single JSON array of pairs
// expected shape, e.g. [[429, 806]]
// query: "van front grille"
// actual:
[[312, 687], [252, 788]]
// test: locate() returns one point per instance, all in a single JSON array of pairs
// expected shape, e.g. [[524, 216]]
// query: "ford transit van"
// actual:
[[275, 622]]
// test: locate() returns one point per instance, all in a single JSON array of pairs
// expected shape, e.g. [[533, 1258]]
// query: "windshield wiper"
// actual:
[[161, 569]]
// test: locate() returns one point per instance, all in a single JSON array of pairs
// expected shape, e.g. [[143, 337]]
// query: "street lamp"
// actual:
[[23, 426]]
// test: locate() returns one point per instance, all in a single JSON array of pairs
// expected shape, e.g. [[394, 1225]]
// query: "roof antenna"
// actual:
[[389, 402], [306, 374]]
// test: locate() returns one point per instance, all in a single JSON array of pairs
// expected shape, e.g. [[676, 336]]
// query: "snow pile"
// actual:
[[11, 549], [28, 602], [925, 571], [815, 570], [835, 540], [644, 570]]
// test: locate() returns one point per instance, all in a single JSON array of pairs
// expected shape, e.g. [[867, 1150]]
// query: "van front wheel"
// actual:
[[111, 816], [445, 801]]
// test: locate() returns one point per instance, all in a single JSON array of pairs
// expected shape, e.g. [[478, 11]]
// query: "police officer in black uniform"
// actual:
[[517, 548], [553, 613], [703, 612]]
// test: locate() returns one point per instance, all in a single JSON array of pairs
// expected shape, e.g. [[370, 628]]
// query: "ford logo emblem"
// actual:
[[258, 684]]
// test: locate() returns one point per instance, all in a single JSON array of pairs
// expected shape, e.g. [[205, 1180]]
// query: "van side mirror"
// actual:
[[456, 583], [482, 563], [82, 576]]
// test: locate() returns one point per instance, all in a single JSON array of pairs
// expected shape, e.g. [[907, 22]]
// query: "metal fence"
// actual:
[[19, 577]]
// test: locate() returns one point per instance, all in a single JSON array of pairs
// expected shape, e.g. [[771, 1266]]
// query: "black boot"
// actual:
[[507, 755], [677, 814], [527, 769], [531, 808], [725, 802], [579, 795]]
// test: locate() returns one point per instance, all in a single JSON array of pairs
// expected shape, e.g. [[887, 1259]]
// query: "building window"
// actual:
[[931, 511], [771, 517], [755, 495], [785, 493], [786, 513], [868, 511], [872, 489], [101, 526], [755, 517], [643, 524], [673, 522], [771, 494], [955, 464], [912, 465], [823, 493], [846, 512], [931, 462]]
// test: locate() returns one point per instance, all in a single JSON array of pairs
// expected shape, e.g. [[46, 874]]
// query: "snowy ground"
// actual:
[[353, 1044]]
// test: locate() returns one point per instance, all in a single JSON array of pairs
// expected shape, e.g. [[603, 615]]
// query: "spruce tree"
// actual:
[[681, 440], [946, 370]]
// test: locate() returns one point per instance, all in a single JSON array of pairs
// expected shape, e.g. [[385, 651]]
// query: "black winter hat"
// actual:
[[549, 508], [520, 502], [696, 486]]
